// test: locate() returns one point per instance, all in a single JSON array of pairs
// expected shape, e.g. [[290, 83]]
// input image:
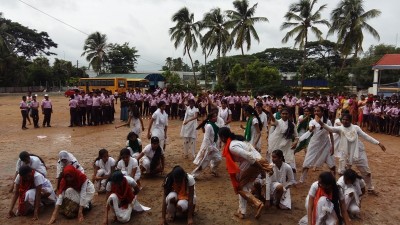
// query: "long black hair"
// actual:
[[123, 152], [177, 173], [156, 158], [290, 130], [204, 122], [327, 179], [24, 155], [102, 152], [351, 175], [249, 109], [227, 133]]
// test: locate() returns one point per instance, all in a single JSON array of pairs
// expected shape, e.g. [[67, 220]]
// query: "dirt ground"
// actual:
[[215, 196]]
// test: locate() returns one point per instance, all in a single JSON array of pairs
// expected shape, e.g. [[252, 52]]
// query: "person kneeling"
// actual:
[[75, 192], [179, 196], [31, 188], [352, 188], [120, 197], [152, 158]]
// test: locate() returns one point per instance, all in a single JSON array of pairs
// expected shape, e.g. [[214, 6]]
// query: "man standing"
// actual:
[[47, 110], [35, 111], [24, 111]]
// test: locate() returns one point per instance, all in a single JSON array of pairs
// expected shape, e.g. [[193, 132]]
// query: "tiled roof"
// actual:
[[388, 61]]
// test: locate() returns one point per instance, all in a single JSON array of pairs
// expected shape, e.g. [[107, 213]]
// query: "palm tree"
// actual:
[[304, 19], [186, 31], [217, 36], [7, 41], [168, 63], [349, 20], [242, 23], [95, 49]]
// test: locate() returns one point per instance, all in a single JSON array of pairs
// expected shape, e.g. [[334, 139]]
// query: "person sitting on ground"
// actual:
[[31, 188], [152, 158], [65, 159], [31, 160], [128, 165], [134, 144], [352, 187], [103, 167], [121, 199], [179, 195], [75, 193]]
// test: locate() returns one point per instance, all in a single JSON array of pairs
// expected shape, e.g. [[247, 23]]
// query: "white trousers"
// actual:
[[213, 158], [100, 185], [243, 201], [30, 195], [183, 204], [189, 144], [326, 214], [123, 215]]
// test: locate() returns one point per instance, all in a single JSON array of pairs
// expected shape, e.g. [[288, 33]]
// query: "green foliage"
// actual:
[[121, 58], [178, 65], [95, 49], [23, 41], [285, 59], [338, 82]]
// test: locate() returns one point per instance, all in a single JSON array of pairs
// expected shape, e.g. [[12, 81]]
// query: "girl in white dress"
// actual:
[[152, 158], [251, 164], [188, 130], [121, 199], [129, 166], [263, 117], [321, 147], [103, 167], [208, 153], [65, 159], [225, 113], [352, 187], [325, 204], [352, 150], [159, 124], [134, 144], [135, 120], [252, 133], [281, 181], [283, 137]]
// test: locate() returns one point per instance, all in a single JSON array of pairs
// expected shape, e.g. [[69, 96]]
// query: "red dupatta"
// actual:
[[78, 179], [320, 193], [123, 192], [231, 166], [24, 186]]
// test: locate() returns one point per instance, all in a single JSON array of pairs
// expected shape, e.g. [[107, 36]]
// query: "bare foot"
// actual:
[[259, 209], [239, 215]]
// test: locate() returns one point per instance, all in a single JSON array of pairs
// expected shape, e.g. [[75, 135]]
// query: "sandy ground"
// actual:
[[216, 199]]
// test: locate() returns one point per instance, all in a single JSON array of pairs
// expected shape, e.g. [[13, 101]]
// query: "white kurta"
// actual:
[[104, 170], [127, 169], [136, 126], [318, 150], [352, 194], [284, 176], [224, 114], [189, 130], [208, 149], [159, 124], [278, 141], [35, 164]]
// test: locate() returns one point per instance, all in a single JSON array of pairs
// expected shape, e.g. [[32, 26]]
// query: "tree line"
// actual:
[[220, 31]]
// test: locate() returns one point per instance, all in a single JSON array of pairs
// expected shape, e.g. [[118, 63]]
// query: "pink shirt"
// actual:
[[96, 101], [46, 104], [23, 105], [73, 103]]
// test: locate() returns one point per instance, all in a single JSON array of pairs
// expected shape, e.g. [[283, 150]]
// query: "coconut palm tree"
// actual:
[[95, 49], [168, 63], [349, 20], [217, 35], [185, 31], [304, 20], [242, 21]]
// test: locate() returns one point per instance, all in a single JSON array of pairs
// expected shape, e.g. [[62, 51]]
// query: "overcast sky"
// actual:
[[145, 23]]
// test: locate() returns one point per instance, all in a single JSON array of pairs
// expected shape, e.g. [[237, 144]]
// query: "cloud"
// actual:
[[145, 23]]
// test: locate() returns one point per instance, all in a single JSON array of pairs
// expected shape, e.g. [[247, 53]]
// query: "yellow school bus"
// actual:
[[106, 83], [134, 83]]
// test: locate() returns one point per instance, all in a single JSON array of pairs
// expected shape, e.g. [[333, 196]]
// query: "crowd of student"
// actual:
[[324, 126]]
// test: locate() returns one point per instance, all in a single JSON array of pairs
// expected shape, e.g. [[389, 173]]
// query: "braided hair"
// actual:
[[225, 132], [250, 110], [290, 130], [177, 174]]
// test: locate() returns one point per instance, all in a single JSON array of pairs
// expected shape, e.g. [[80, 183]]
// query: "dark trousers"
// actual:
[[24, 114], [146, 108], [73, 117], [139, 104], [82, 115], [174, 110], [35, 117], [243, 116], [96, 112], [89, 114], [47, 116], [236, 112]]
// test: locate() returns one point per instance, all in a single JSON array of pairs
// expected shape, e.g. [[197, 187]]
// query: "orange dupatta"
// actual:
[[231, 166], [320, 193]]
